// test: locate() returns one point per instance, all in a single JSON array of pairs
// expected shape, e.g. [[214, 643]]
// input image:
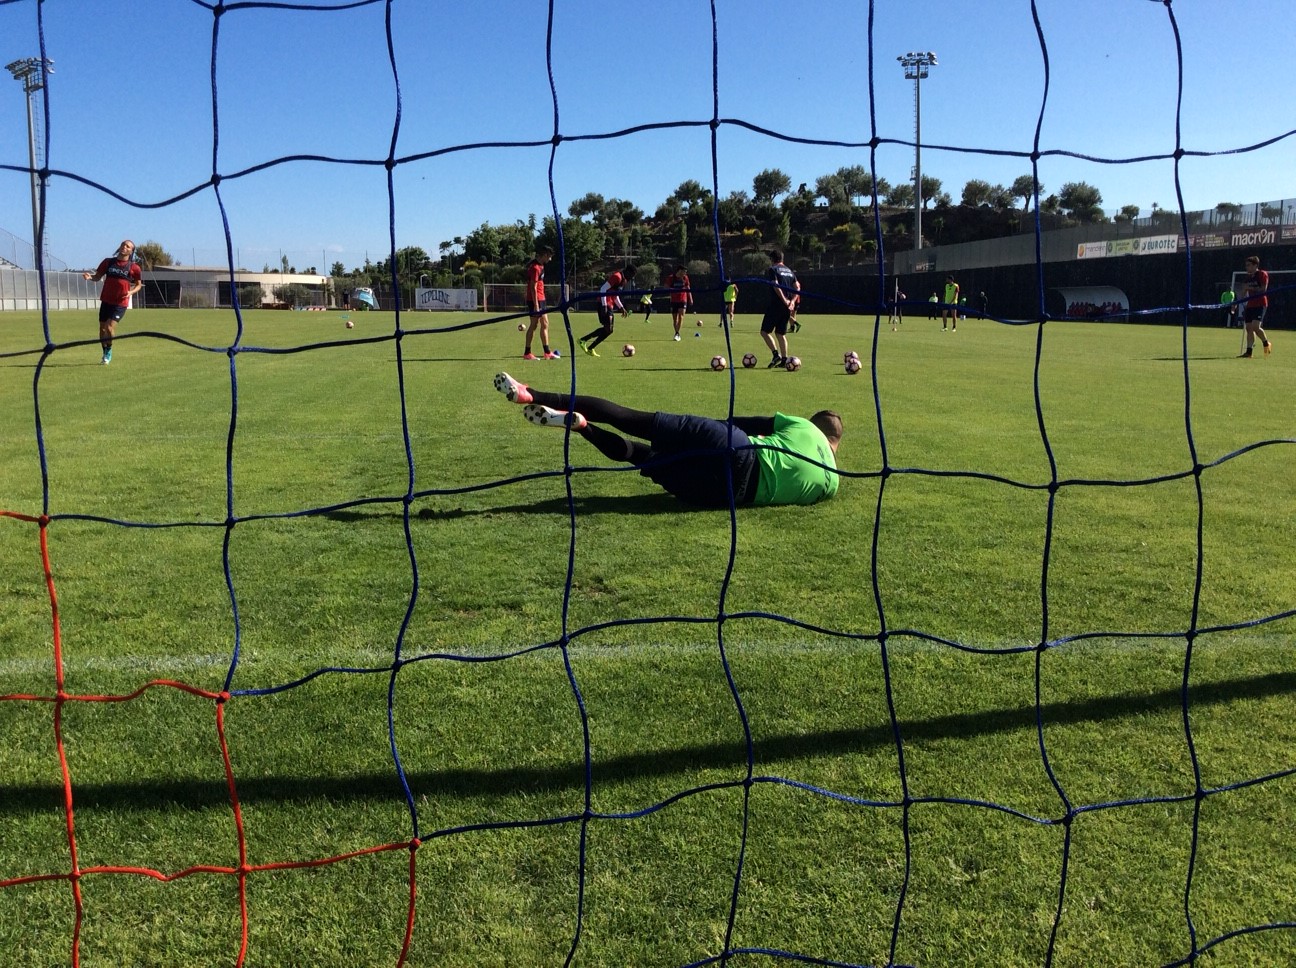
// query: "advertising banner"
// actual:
[[459, 300]]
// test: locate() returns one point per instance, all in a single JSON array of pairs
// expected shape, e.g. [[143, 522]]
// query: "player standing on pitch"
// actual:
[[784, 292], [1257, 303], [121, 276], [681, 296], [536, 304], [950, 311]]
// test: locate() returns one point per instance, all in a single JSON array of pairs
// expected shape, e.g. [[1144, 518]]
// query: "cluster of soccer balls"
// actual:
[[852, 362], [791, 364]]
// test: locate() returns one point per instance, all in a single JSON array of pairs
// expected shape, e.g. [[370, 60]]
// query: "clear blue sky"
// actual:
[[131, 109]]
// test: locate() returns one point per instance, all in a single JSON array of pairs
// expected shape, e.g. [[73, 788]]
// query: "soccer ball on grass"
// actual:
[[627, 350], [792, 364], [749, 360], [719, 363], [853, 365]]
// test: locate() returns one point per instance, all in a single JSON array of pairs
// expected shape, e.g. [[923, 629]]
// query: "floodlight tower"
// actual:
[[31, 71], [916, 64]]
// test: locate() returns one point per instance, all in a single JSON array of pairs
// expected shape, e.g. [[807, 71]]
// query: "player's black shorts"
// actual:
[[538, 311], [607, 318], [775, 321], [1253, 314], [692, 460], [111, 311]]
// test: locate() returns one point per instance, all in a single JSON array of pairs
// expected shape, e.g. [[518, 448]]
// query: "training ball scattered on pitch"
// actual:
[[792, 364], [853, 365], [719, 363], [850, 355], [521, 327], [699, 322], [749, 360], [350, 325], [627, 350]]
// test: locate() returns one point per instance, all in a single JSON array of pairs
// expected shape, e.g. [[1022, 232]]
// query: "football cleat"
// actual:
[[543, 416], [511, 388]]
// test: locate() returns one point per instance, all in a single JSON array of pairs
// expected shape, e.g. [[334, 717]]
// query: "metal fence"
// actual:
[[20, 254], [20, 289]]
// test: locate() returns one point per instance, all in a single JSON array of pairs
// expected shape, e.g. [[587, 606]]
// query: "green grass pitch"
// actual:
[[956, 552]]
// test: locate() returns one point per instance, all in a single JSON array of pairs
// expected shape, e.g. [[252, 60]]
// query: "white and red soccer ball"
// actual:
[[350, 325], [792, 364], [850, 355], [719, 363], [521, 327], [853, 365], [628, 350], [749, 360]]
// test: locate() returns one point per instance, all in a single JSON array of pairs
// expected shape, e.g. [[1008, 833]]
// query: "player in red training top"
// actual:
[[121, 276], [681, 296], [609, 302], [1257, 304], [536, 304]]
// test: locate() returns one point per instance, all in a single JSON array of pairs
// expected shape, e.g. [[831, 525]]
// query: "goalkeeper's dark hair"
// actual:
[[830, 422]]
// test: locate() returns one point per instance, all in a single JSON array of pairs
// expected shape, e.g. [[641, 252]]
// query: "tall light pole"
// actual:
[[916, 64], [31, 71]]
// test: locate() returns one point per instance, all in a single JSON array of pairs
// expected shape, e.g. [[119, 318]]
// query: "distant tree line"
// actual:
[[827, 225]]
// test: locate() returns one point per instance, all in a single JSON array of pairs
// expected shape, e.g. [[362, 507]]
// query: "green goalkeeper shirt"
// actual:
[[787, 478]]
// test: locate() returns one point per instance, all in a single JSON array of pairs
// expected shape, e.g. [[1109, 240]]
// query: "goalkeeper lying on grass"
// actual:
[[773, 460]]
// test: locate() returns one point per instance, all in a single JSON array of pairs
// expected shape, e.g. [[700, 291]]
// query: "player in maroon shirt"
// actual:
[[536, 305], [1257, 304], [121, 276]]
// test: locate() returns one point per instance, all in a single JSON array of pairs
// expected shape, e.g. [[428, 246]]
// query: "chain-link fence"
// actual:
[[20, 289]]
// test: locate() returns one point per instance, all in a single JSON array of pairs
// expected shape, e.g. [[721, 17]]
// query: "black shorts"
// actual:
[[607, 318], [109, 311], [692, 460], [1253, 314], [775, 321]]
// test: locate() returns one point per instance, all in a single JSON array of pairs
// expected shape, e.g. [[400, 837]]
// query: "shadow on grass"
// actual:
[[651, 502], [771, 751]]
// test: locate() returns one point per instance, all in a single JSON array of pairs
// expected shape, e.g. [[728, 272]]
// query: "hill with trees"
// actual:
[[830, 225]]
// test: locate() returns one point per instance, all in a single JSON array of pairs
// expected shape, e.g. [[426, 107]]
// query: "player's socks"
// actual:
[[511, 388], [543, 416], [107, 356]]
